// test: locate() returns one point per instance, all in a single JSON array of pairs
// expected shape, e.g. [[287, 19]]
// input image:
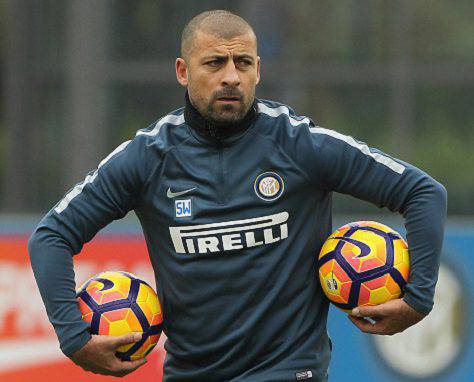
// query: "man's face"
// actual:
[[221, 76]]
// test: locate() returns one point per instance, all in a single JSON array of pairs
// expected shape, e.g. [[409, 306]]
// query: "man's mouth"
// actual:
[[229, 99]]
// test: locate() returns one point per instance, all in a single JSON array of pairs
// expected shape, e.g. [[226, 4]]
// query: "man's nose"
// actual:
[[230, 76]]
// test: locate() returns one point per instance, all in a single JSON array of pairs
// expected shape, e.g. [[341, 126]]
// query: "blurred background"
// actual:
[[80, 77]]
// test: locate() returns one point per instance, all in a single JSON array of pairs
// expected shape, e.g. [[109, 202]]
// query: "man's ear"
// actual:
[[181, 71], [258, 69]]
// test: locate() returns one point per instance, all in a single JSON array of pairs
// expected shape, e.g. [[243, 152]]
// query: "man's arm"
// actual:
[[106, 194], [345, 165]]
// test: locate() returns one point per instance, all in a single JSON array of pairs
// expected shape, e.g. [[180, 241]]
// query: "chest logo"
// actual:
[[269, 186], [230, 235], [170, 194]]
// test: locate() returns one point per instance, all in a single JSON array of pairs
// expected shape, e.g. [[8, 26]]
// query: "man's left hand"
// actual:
[[391, 317]]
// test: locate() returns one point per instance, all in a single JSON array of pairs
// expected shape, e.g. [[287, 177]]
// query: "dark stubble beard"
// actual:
[[227, 115]]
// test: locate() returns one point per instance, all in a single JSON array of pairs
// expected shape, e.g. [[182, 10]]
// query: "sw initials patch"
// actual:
[[183, 208]]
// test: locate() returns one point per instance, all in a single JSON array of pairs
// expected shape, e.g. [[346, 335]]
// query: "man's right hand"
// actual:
[[98, 355]]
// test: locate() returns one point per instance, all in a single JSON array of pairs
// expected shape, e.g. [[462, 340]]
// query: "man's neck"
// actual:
[[215, 131]]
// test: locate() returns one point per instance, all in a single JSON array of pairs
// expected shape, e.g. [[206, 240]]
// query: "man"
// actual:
[[234, 198]]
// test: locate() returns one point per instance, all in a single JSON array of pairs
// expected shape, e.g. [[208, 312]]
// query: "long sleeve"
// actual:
[[342, 164], [106, 194]]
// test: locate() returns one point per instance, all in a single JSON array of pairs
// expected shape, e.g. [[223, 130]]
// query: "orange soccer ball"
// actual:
[[117, 303], [363, 263]]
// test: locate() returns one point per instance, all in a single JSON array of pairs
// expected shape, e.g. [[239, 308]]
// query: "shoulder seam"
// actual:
[[362, 147], [173, 119], [77, 190], [275, 112]]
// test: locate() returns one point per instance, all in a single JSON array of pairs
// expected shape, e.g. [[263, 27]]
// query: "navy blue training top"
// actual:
[[233, 226]]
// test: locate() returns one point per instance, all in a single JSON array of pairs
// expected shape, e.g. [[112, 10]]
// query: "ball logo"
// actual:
[[332, 284], [269, 186]]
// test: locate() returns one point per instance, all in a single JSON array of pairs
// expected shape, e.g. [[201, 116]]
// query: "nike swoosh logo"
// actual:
[[171, 194]]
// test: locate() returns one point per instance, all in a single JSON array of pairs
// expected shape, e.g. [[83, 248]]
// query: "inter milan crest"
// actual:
[[269, 186]]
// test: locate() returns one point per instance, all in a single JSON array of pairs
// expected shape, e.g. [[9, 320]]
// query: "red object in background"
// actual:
[[29, 350]]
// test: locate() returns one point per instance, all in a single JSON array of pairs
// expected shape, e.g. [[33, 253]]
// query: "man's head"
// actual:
[[219, 65]]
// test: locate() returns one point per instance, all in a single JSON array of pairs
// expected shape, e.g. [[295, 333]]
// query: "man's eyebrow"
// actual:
[[224, 57], [215, 57], [243, 56]]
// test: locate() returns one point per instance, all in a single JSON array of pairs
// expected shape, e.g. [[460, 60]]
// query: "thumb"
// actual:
[[126, 339], [368, 311]]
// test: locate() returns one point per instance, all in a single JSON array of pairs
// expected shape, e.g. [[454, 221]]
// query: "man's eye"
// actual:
[[213, 63], [244, 62]]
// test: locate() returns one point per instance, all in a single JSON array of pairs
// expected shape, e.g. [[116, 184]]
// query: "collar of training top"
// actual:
[[214, 132]]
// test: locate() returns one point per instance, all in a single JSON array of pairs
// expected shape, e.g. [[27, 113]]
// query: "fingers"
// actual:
[[364, 325], [369, 311], [383, 326], [134, 365], [393, 316], [126, 339], [119, 368], [373, 327], [122, 368], [98, 355]]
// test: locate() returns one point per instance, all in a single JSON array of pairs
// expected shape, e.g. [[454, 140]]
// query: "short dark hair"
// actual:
[[220, 23]]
